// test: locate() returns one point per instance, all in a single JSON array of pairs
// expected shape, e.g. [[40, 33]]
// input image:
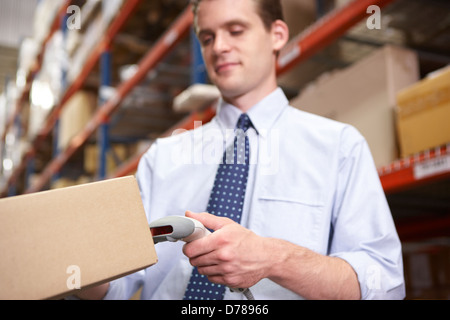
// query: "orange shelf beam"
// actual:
[[419, 169]]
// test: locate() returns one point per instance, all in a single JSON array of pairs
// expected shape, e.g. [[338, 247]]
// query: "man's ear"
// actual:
[[280, 34]]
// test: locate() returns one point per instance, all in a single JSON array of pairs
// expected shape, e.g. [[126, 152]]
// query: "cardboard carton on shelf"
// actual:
[[423, 113], [364, 95], [77, 112], [118, 153], [57, 241], [427, 269]]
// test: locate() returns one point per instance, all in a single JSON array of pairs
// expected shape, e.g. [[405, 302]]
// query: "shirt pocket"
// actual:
[[291, 213]]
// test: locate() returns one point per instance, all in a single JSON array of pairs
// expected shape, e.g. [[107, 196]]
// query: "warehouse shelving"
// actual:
[[178, 30], [126, 10], [326, 30], [426, 168], [114, 28], [35, 69], [418, 176]]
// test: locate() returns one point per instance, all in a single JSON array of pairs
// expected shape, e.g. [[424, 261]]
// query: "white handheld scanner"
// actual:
[[174, 228]]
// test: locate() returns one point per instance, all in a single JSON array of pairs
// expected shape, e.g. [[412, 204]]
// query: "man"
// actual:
[[314, 224]]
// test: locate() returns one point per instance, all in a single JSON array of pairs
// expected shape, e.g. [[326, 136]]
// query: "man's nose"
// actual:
[[221, 43]]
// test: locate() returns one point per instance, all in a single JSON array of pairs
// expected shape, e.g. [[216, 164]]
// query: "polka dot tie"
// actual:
[[226, 200]]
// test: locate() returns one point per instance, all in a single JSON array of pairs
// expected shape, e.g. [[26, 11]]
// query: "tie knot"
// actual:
[[244, 122]]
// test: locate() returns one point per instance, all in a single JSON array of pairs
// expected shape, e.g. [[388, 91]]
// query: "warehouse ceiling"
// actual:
[[13, 30]]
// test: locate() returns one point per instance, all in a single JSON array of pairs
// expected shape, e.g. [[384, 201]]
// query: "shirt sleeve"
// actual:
[[144, 177], [363, 231]]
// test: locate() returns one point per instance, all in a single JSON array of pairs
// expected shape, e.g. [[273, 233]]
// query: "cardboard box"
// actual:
[[77, 112], [364, 95], [423, 114], [427, 269], [55, 241], [117, 154]]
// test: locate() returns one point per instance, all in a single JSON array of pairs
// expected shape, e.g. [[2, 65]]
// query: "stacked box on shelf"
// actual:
[[47, 86], [68, 182], [117, 155], [14, 145], [26, 61], [423, 114], [82, 42], [364, 95], [7, 100], [75, 115], [75, 34], [87, 42], [427, 269], [45, 14]]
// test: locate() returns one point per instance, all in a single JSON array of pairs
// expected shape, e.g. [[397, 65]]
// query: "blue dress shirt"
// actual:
[[312, 182]]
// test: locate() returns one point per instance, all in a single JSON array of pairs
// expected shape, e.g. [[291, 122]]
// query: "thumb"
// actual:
[[210, 221]]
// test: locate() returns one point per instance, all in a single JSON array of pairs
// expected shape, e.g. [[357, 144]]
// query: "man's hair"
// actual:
[[268, 10]]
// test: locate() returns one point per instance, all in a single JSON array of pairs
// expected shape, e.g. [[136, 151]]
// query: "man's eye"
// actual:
[[236, 32], [206, 40]]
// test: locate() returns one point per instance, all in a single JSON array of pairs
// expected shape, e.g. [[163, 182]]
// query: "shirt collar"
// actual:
[[263, 114]]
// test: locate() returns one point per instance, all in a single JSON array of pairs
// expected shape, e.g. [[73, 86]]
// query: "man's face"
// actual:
[[238, 51]]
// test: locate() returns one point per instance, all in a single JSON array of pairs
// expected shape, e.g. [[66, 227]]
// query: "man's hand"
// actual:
[[238, 258], [233, 255]]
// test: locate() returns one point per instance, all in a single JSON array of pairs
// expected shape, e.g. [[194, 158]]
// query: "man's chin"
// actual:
[[230, 92]]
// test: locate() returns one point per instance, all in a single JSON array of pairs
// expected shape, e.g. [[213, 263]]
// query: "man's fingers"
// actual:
[[198, 247], [210, 221], [210, 243]]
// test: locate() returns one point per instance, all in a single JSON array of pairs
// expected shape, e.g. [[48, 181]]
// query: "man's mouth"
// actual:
[[225, 66]]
